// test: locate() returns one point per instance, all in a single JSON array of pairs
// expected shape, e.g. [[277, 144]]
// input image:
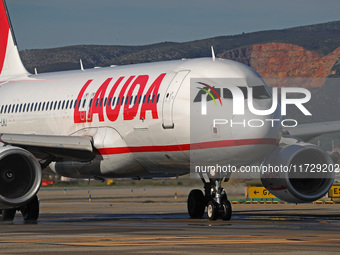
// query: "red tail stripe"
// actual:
[[186, 147], [4, 31]]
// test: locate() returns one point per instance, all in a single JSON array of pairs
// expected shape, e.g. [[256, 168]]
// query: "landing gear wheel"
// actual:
[[212, 210], [30, 211], [196, 204], [8, 215], [226, 210]]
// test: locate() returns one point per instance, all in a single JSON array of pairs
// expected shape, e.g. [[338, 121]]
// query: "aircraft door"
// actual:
[[170, 95], [89, 110], [82, 106]]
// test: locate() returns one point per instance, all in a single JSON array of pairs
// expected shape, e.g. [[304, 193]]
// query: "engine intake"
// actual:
[[20, 177], [306, 173]]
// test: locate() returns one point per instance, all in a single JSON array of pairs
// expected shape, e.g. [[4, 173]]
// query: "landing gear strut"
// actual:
[[30, 212], [215, 199]]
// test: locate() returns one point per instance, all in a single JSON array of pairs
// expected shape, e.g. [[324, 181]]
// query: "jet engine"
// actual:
[[20, 177], [298, 173]]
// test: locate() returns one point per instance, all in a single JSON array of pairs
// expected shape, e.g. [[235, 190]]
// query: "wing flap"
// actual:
[[60, 147]]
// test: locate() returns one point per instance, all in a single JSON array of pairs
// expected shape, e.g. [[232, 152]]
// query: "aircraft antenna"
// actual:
[[213, 53], [81, 65]]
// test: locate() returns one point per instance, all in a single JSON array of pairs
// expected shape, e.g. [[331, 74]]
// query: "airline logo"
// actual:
[[132, 87]]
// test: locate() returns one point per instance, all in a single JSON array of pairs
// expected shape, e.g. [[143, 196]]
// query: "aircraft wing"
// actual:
[[308, 131], [61, 148]]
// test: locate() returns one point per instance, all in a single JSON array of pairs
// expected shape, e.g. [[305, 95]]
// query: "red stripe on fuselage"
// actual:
[[4, 31], [187, 147]]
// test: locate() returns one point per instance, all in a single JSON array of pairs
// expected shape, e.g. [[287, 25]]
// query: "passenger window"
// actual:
[[158, 98], [62, 107]]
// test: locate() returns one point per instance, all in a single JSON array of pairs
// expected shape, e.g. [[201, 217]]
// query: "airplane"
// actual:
[[134, 121]]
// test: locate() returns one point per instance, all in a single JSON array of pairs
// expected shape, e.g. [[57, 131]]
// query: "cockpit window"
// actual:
[[260, 92]]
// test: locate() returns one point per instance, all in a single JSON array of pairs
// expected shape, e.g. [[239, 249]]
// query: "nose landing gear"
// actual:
[[215, 199]]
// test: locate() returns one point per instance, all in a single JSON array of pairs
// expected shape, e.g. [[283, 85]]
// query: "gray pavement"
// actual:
[[153, 220]]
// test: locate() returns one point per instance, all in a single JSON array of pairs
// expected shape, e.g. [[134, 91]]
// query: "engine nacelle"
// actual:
[[304, 173], [20, 177]]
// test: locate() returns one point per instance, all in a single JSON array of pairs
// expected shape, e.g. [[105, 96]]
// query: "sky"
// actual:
[[49, 23]]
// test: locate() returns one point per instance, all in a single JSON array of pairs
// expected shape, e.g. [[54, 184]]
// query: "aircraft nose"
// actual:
[[252, 125]]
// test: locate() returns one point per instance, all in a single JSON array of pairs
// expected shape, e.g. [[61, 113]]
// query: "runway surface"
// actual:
[[153, 220]]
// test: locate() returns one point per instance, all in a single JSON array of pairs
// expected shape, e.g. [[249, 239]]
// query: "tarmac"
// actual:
[[153, 220]]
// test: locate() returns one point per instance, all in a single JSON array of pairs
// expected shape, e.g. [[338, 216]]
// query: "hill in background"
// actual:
[[318, 40]]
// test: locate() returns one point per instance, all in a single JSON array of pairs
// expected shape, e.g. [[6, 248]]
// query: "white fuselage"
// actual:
[[148, 134]]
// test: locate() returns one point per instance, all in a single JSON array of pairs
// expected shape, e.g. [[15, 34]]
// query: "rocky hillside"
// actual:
[[280, 60], [308, 51]]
